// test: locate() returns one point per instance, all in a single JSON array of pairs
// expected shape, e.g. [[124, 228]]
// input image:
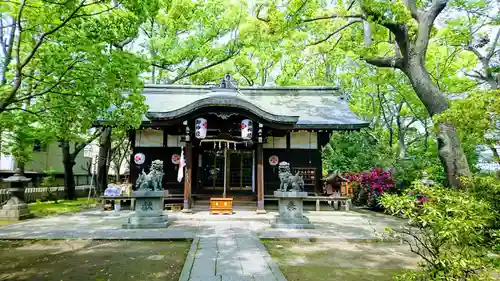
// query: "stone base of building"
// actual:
[[291, 208], [148, 211]]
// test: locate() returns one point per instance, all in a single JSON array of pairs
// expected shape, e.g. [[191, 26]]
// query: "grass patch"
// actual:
[[50, 208], [92, 260], [347, 261]]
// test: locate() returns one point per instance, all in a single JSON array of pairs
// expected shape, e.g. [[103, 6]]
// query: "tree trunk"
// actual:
[[450, 152], [496, 158], [117, 174], [102, 170], [69, 178], [402, 144], [20, 166]]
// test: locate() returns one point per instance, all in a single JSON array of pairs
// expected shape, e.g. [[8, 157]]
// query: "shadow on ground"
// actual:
[[340, 260], [91, 260]]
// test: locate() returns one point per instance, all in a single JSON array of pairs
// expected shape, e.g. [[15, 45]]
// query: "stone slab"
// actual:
[[147, 193], [205, 278], [290, 194], [147, 220], [188, 263], [237, 278], [203, 266], [292, 225], [145, 225]]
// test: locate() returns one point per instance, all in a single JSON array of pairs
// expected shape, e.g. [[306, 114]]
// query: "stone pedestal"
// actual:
[[148, 211], [16, 208], [291, 208]]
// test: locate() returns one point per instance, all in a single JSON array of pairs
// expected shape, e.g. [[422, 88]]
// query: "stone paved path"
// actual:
[[224, 247], [96, 225], [229, 252]]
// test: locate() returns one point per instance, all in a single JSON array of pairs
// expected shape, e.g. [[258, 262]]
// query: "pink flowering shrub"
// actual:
[[371, 186]]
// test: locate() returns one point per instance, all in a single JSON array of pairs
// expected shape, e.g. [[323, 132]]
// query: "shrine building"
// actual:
[[232, 138]]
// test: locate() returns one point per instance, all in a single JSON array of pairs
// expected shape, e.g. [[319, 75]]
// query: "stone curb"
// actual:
[[98, 239], [188, 264], [333, 239], [272, 264]]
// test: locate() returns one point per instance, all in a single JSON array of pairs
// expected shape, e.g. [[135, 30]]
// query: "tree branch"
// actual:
[[20, 65], [186, 68], [82, 145], [400, 31], [205, 67], [412, 7], [425, 25], [392, 62], [493, 46], [50, 89], [8, 51], [259, 8], [335, 32], [122, 44], [480, 76], [55, 29], [360, 17], [476, 52]]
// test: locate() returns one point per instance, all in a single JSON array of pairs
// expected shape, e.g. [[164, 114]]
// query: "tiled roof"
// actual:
[[315, 107]]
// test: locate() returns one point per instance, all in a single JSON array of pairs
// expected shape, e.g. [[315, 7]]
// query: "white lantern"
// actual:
[[200, 128], [246, 129]]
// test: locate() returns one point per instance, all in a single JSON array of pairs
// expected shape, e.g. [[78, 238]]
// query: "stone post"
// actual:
[[16, 208]]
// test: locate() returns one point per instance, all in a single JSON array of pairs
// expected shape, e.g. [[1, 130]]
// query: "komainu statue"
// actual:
[[151, 181], [296, 182]]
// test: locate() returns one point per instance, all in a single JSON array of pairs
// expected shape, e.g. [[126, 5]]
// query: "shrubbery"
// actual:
[[370, 186], [453, 231]]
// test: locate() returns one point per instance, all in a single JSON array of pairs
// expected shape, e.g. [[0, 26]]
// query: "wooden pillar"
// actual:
[[260, 179], [188, 156]]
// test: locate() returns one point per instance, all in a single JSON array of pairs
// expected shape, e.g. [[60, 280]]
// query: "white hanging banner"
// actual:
[[182, 163], [139, 158]]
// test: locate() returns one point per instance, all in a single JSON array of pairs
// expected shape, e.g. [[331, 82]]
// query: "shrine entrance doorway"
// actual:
[[227, 172]]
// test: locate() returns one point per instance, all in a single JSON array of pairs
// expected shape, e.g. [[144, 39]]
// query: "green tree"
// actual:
[[184, 40], [369, 32], [64, 64], [34, 64]]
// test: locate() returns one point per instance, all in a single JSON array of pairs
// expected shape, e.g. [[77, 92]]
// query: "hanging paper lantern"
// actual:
[[200, 128], [176, 159], [246, 129], [139, 158], [273, 160]]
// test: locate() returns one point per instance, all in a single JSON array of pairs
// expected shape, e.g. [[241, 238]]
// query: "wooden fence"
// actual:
[[31, 194]]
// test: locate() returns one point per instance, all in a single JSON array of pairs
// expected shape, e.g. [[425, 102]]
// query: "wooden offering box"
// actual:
[[221, 206]]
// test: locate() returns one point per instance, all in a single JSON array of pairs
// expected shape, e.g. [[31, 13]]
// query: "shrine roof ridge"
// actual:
[[249, 90]]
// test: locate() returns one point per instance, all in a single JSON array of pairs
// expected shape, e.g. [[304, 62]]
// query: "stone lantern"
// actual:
[[16, 208]]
